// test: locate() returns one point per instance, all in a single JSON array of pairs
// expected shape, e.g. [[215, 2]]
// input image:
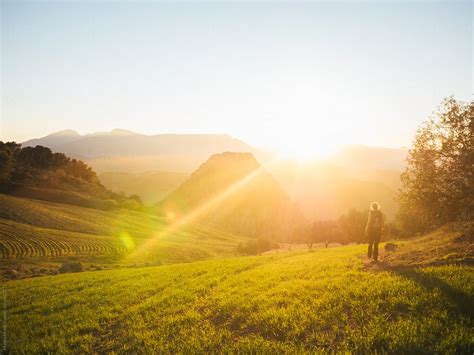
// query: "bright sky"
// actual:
[[298, 77]]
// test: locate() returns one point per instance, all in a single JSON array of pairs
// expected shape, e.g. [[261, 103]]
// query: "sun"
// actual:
[[316, 139], [305, 150]]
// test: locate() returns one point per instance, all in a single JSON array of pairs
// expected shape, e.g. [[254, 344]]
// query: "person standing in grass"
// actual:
[[374, 230]]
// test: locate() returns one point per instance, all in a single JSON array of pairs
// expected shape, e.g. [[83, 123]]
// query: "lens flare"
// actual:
[[170, 215], [127, 241]]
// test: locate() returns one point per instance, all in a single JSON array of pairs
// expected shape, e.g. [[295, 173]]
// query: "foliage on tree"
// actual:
[[438, 184], [352, 226], [349, 228], [7, 163], [327, 232]]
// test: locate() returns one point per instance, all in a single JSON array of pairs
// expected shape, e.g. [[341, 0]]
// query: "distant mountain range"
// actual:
[[152, 166], [129, 151]]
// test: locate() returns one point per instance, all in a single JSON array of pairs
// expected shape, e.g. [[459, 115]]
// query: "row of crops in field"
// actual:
[[77, 219], [37, 229], [19, 241]]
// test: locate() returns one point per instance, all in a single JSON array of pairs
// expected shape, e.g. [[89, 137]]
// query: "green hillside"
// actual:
[[327, 300], [45, 234]]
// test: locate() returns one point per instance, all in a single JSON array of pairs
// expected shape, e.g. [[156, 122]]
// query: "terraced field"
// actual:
[[19, 240], [35, 232]]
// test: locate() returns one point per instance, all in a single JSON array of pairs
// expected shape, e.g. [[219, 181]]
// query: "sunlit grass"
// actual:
[[302, 301]]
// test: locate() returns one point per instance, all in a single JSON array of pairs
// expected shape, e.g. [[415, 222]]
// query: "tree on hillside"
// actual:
[[37, 157], [7, 163], [352, 226], [303, 234], [37, 172], [326, 232], [349, 228], [256, 246], [438, 184]]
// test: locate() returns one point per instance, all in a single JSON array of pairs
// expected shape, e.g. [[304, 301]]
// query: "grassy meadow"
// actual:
[[327, 300], [197, 296]]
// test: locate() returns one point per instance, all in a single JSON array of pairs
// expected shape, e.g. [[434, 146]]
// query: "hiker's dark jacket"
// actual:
[[375, 223]]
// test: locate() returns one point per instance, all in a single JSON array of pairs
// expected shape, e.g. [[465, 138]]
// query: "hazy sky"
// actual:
[[289, 76]]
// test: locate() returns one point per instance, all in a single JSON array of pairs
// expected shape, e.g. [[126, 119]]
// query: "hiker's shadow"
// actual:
[[463, 303]]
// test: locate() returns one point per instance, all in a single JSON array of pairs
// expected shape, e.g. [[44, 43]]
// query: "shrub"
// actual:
[[256, 247]]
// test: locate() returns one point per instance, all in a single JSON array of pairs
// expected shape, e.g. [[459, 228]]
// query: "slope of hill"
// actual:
[[232, 191], [151, 186], [42, 235], [323, 301]]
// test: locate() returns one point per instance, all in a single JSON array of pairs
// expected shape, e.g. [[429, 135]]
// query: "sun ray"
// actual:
[[201, 210]]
